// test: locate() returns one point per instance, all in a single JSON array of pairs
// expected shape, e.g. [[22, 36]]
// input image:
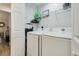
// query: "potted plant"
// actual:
[[36, 20], [37, 17]]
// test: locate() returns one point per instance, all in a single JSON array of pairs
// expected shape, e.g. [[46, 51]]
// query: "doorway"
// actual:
[[5, 18]]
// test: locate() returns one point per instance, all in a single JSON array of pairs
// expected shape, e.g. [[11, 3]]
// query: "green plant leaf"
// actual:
[[37, 14]]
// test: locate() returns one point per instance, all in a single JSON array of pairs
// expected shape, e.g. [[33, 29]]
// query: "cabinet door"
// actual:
[[32, 45], [52, 46]]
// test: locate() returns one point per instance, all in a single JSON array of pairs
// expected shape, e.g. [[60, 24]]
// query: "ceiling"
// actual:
[[39, 4], [5, 7], [36, 4]]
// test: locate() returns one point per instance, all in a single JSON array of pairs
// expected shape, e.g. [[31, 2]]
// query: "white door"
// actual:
[[32, 45], [75, 47], [52, 46], [17, 29], [75, 18]]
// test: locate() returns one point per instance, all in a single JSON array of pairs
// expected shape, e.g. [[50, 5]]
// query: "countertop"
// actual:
[[56, 32]]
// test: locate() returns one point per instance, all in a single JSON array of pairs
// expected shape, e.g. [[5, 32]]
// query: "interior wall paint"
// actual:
[[51, 6], [52, 20], [30, 11]]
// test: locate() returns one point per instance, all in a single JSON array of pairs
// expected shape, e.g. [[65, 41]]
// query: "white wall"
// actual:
[[55, 20], [30, 11], [51, 6], [18, 29]]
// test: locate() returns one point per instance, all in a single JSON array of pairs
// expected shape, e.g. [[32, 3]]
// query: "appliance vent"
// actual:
[[66, 5]]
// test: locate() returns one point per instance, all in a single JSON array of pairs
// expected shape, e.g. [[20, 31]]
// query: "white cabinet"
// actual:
[[42, 45], [52, 46], [32, 44]]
